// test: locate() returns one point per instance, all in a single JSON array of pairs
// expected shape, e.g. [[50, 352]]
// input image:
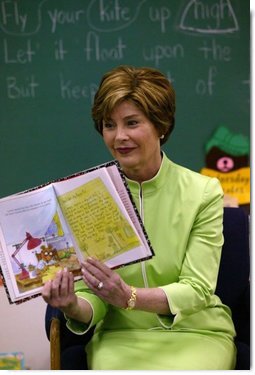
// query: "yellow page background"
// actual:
[[97, 223]]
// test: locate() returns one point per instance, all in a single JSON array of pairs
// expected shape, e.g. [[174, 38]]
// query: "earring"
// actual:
[[162, 136]]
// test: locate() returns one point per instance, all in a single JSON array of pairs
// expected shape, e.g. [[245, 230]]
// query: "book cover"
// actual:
[[56, 225], [12, 361]]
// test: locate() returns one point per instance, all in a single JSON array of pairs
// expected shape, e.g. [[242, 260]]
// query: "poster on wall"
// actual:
[[227, 158]]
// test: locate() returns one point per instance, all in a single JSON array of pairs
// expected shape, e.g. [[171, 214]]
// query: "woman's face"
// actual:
[[134, 141]]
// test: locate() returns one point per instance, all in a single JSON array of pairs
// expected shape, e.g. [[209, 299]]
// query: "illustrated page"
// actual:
[[35, 241]]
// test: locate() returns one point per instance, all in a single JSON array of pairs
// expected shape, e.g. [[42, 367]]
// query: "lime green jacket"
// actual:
[[182, 212]]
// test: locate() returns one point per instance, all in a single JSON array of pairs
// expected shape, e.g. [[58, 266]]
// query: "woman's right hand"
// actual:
[[59, 292]]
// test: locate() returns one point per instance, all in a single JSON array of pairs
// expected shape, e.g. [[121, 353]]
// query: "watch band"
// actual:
[[132, 300]]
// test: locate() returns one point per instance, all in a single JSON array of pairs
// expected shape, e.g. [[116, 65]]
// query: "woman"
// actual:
[[160, 314]]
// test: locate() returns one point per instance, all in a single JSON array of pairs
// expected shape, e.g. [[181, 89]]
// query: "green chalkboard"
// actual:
[[54, 53]]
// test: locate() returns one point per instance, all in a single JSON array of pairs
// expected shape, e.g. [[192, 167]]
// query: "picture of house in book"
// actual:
[[37, 259]]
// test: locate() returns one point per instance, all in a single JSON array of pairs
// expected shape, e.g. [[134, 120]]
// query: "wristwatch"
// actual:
[[132, 300]]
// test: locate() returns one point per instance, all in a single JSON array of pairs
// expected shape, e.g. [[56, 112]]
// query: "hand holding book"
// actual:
[[90, 213]]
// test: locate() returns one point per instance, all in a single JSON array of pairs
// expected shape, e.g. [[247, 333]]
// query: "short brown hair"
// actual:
[[146, 87]]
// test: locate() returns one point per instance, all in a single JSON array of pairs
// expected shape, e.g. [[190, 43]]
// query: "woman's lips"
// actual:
[[125, 150]]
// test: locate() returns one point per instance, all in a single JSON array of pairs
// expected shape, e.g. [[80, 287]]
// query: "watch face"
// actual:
[[131, 304]]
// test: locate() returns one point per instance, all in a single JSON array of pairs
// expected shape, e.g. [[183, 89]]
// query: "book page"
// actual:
[[98, 218], [125, 198], [35, 241], [98, 225]]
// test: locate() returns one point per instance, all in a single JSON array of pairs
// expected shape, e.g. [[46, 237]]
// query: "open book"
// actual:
[[60, 223]]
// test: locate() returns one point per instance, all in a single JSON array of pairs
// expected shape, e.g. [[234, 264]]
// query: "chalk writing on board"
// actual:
[[20, 55], [161, 15], [169, 76], [158, 52], [60, 51], [108, 16], [25, 88], [94, 49], [25, 19], [74, 91], [62, 17], [206, 86], [15, 19], [212, 50], [217, 17]]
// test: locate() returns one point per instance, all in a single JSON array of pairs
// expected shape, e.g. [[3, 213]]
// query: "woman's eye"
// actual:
[[108, 125], [132, 122]]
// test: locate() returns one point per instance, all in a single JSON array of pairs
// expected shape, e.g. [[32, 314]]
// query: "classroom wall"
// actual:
[[53, 55]]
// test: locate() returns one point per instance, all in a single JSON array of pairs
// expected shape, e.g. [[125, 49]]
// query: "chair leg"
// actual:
[[55, 344]]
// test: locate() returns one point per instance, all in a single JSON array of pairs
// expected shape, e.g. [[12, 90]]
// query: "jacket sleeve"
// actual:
[[198, 277], [99, 308]]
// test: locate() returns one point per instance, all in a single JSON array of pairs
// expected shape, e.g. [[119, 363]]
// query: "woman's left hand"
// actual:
[[105, 283]]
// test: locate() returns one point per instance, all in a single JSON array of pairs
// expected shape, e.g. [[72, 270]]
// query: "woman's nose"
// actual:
[[121, 133]]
